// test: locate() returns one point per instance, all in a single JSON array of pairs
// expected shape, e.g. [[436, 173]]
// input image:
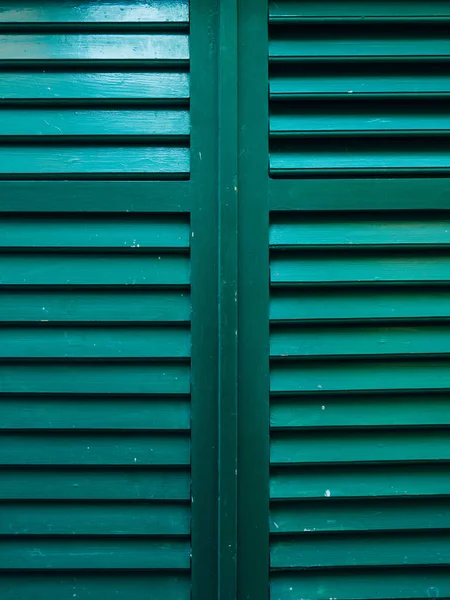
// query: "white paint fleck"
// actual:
[[323, 407], [319, 386], [276, 525], [327, 493]]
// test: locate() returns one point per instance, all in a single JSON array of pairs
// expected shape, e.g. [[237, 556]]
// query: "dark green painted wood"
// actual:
[[90, 342], [358, 308], [95, 377], [163, 413], [361, 303], [293, 342], [361, 156], [351, 480], [95, 196], [58, 448], [426, 408], [288, 11], [40, 48], [95, 305], [371, 267], [30, 160], [360, 375], [378, 549], [360, 230], [83, 387], [393, 81], [424, 117], [403, 583], [253, 306], [76, 123], [127, 482], [94, 88], [113, 11], [38, 269], [359, 446], [344, 515], [87, 554], [360, 194], [47, 231], [204, 293], [306, 42], [127, 585], [74, 518], [228, 196]]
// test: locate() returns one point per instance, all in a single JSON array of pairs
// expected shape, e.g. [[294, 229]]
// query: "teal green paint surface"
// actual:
[[224, 277], [95, 371], [358, 304]]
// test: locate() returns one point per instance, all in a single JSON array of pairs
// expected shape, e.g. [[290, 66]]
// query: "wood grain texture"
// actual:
[[127, 585], [73, 518], [127, 482], [359, 423], [94, 88], [112, 11]]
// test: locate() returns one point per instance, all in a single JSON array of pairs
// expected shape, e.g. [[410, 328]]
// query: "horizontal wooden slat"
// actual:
[[94, 554], [359, 41], [81, 518], [356, 515], [390, 80], [100, 306], [358, 119], [360, 194], [359, 230], [90, 160], [115, 196], [360, 155], [47, 231], [95, 342], [405, 583], [93, 87], [114, 11], [95, 412], [354, 340], [89, 47], [352, 267], [287, 10], [360, 303], [74, 448], [356, 375], [356, 481], [61, 122], [360, 410], [362, 550], [94, 269], [94, 377], [359, 446], [121, 585], [94, 483]]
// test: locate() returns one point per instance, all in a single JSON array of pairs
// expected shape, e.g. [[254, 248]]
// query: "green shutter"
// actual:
[[224, 289], [95, 360], [359, 301]]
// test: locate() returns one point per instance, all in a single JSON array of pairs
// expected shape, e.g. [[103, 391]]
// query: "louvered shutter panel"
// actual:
[[359, 303], [95, 305]]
